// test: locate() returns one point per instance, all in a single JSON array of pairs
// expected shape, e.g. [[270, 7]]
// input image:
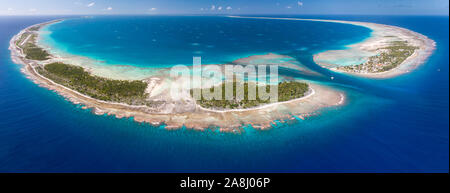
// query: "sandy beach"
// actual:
[[185, 112], [381, 36]]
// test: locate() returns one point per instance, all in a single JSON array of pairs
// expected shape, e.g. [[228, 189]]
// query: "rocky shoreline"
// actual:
[[183, 113]]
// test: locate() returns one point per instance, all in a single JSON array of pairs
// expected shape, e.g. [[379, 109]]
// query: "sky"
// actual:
[[322, 7]]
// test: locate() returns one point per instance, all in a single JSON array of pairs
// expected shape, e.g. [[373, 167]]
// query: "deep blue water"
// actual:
[[394, 125]]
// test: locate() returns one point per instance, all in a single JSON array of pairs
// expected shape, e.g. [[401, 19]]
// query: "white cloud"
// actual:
[[213, 7], [10, 9], [288, 7], [229, 8], [152, 10], [299, 3], [109, 8], [32, 10], [219, 8], [90, 4]]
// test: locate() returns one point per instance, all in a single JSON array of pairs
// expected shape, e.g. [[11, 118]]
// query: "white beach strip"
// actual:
[[342, 99], [26, 39]]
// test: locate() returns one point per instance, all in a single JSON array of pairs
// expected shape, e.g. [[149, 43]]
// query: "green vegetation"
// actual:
[[391, 57], [74, 77], [291, 90], [35, 28], [30, 50], [286, 91], [21, 39]]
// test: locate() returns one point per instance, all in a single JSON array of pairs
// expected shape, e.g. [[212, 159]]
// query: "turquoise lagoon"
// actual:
[[393, 125]]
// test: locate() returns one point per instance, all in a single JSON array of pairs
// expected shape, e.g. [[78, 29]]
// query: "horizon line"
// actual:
[[196, 14]]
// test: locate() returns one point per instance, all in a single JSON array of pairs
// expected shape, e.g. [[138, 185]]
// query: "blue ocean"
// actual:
[[393, 125]]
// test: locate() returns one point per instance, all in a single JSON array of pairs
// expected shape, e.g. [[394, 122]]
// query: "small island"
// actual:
[[390, 50], [76, 78], [287, 90], [389, 58]]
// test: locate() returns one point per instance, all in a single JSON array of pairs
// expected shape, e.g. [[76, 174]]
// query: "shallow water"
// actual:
[[394, 125], [166, 41]]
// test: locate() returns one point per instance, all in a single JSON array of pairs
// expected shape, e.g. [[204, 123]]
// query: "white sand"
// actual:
[[181, 110]]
